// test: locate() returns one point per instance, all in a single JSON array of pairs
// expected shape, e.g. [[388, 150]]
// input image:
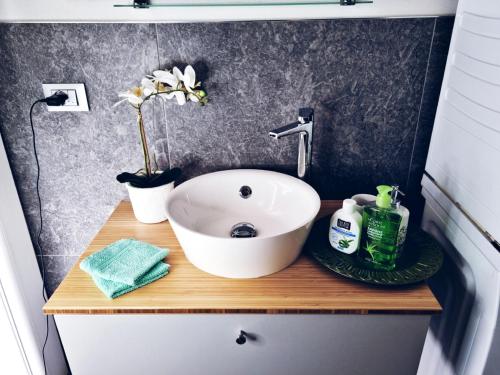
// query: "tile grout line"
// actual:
[[167, 133], [162, 103], [157, 46], [421, 103]]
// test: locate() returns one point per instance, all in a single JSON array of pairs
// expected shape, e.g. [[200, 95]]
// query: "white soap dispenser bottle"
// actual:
[[345, 228]]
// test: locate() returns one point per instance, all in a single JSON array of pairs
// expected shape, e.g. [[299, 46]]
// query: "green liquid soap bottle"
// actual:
[[379, 238]]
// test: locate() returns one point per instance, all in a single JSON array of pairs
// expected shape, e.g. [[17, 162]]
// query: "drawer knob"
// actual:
[[242, 338]]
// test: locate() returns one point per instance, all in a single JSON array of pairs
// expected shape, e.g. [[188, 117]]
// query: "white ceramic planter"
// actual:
[[149, 204]]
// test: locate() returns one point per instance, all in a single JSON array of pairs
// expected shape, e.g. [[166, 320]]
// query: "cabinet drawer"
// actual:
[[193, 344]]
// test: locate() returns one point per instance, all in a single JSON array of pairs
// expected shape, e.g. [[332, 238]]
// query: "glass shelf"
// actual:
[[238, 3]]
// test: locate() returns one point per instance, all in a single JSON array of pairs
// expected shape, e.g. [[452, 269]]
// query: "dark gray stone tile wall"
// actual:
[[373, 83]]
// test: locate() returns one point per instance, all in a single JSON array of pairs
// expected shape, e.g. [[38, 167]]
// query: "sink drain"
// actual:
[[245, 193], [243, 230]]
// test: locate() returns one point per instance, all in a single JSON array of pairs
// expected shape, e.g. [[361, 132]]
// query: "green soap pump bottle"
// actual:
[[379, 237]]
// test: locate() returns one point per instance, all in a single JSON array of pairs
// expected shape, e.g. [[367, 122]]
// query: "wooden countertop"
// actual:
[[304, 287]]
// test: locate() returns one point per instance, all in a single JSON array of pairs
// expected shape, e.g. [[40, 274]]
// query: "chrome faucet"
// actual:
[[304, 127]]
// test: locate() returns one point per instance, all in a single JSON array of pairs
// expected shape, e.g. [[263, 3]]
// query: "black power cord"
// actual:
[[57, 99]]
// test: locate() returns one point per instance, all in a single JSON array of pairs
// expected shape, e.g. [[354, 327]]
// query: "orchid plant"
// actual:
[[166, 85]]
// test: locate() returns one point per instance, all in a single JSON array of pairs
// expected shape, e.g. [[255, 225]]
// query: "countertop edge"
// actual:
[[131, 311]]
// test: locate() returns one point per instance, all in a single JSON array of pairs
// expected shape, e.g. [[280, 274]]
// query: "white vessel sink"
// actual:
[[203, 211]]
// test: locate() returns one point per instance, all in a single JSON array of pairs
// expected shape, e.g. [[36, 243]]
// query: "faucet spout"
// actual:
[[303, 127], [293, 128]]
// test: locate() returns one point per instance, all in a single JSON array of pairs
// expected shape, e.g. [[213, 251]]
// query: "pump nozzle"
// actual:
[[384, 196], [394, 194]]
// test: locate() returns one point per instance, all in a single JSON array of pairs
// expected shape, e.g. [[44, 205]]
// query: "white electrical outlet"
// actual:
[[77, 98]]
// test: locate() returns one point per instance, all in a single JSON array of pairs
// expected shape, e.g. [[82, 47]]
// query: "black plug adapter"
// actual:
[[56, 99]]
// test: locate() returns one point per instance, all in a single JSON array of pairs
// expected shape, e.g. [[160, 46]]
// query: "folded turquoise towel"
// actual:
[[113, 289], [124, 261], [125, 265]]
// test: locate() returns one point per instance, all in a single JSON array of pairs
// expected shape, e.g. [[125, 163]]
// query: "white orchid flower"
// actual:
[[167, 85], [179, 95], [172, 79], [178, 74], [164, 76], [190, 83], [134, 96], [189, 78], [148, 86], [175, 80]]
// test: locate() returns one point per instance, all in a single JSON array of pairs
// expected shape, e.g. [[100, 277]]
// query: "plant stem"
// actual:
[[145, 151], [140, 123]]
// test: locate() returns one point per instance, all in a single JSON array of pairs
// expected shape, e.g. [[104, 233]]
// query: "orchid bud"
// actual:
[[201, 93]]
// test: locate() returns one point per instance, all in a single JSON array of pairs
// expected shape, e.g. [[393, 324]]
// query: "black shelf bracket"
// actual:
[[141, 4]]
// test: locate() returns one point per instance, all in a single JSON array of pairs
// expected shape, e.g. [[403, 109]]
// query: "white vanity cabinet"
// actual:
[[281, 344], [302, 320]]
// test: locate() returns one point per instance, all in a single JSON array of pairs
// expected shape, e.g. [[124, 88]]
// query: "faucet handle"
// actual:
[[306, 115]]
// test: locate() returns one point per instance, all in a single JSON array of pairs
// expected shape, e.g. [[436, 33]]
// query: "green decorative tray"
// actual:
[[422, 258]]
